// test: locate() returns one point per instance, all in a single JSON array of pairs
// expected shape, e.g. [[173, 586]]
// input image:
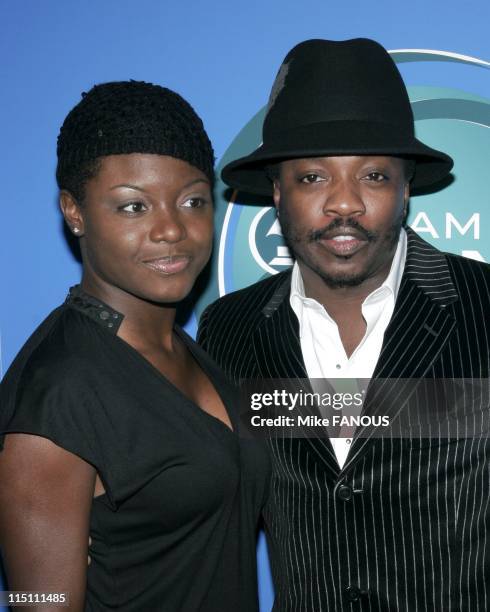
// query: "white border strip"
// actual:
[[456, 56], [222, 244]]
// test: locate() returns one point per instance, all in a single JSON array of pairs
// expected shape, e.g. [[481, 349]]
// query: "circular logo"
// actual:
[[250, 245], [266, 242]]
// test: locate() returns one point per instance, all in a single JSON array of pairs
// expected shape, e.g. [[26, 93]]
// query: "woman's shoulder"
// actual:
[[50, 391], [56, 357], [58, 344]]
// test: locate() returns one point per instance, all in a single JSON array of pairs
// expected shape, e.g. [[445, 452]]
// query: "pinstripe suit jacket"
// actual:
[[414, 535]]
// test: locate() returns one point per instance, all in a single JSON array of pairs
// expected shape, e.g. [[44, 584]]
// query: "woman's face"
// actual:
[[146, 225]]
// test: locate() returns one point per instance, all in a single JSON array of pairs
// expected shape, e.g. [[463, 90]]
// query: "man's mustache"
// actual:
[[352, 224]]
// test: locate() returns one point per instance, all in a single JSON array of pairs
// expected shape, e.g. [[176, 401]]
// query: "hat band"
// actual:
[[341, 137]]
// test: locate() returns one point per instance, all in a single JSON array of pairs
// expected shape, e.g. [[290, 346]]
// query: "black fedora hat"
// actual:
[[337, 98]]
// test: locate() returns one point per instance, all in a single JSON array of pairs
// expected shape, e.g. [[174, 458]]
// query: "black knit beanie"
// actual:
[[132, 117]]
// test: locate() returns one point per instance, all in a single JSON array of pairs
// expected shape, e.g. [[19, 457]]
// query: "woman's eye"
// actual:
[[133, 207], [376, 177], [193, 203], [311, 178]]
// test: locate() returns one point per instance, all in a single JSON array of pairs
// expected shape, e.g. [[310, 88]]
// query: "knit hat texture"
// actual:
[[133, 117]]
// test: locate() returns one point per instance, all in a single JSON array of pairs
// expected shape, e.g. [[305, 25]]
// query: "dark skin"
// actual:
[[145, 229], [341, 216], [45, 502]]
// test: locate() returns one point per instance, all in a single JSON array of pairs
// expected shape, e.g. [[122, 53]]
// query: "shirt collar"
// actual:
[[393, 281], [95, 309]]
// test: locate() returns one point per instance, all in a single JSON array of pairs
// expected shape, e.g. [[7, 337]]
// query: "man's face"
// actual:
[[341, 216]]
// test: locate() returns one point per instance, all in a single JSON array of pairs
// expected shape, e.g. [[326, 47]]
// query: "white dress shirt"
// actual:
[[323, 352]]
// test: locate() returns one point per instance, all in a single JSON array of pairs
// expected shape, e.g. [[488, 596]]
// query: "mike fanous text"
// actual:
[[337, 420]]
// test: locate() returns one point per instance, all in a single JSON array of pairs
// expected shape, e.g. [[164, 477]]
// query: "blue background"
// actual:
[[222, 56]]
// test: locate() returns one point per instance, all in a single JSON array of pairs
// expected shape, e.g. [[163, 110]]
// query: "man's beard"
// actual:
[[339, 281]]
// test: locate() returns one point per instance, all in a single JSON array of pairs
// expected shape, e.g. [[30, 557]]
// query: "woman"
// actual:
[[117, 425]]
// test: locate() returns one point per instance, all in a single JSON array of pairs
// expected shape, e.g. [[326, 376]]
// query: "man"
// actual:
[[372, 523]]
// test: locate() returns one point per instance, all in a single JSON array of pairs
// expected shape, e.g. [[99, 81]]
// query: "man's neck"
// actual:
[[338, 298]]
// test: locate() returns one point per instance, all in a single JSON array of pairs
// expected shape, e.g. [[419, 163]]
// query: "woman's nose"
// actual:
[[167, 226]]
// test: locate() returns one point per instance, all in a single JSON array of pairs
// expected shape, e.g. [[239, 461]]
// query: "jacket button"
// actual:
[[352, 593], [344, 492]]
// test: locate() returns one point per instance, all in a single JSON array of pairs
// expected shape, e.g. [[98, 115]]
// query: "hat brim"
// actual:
[[336, 138]]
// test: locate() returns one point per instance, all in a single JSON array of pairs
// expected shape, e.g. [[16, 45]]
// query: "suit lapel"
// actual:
[[277, 346], [277, 350], [418, 331]]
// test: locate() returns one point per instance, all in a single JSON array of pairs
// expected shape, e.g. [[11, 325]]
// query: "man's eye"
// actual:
[[133, 207], [311, 178], [376, 177], [194, 203]]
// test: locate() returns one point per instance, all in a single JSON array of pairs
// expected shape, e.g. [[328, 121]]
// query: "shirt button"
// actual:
[[344, 492], [352, 593], [338, 366]]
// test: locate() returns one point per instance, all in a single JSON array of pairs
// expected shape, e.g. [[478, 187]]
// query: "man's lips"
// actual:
[[343, 242], [168, 265]]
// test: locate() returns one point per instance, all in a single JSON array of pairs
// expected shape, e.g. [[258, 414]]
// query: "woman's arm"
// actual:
[[45, 500]]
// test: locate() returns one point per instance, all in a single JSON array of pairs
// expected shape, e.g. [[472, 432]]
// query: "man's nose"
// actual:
[[344, 199], [167, 226]]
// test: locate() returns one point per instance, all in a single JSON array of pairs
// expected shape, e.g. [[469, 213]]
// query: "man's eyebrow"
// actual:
[[138, 188]]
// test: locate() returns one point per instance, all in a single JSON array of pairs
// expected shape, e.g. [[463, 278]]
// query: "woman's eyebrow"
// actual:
[[137, 188], [127, 186], [197, 180]]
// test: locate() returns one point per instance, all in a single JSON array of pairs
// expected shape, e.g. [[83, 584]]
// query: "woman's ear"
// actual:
[[71, 212]]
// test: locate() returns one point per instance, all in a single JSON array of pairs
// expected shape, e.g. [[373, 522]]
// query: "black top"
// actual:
[[176, 528]]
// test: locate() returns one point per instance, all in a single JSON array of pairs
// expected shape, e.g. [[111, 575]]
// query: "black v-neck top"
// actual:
[[176, 528]]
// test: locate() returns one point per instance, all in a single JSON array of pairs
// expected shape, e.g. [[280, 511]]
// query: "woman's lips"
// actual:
[[168, 265], [343, 245]]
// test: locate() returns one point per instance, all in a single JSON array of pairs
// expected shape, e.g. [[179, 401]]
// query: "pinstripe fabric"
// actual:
[[415, 534]]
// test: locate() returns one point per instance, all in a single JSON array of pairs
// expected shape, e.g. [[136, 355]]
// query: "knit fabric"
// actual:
[[133, 117]]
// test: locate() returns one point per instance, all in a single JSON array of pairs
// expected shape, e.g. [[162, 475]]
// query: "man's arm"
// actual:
[[45, 499]]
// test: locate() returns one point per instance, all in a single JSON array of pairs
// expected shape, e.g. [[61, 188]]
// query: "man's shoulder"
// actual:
[[461, 264], [231, 320], [251, 299], [425, 260], [471, 279]]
